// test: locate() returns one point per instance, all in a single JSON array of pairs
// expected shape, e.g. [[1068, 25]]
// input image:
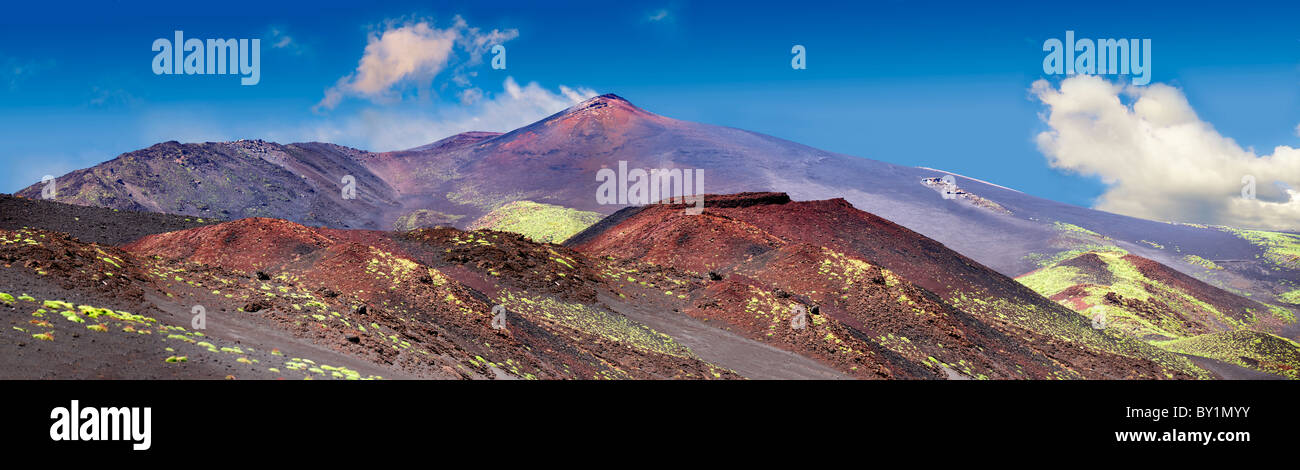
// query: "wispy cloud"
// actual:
[[110, 97], [1160, 160], [278, 38], [413, 53], [659, 15], [395, 128]]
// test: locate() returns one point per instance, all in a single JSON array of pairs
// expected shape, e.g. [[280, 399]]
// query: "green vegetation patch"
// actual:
[[1128, 282], [1251, 349], [1280, 249], [542, 223], [1076, 329], [1199, 261], [1292, 297]]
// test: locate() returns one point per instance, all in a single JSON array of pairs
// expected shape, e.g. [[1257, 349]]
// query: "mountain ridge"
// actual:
[[457, 179]]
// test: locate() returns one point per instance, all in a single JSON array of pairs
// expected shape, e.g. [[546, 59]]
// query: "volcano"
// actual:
[[457, 180]]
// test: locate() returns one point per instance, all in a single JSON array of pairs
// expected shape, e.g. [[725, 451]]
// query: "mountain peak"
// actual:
[[608, 112], [608, 97], [608, 101]]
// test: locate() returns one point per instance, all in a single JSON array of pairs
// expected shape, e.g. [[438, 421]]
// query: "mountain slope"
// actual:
[[1149, 300], [668, 295], [1251, 349], [364, 293], [288, 301], [877, 281], [229, 180], [555, 161]]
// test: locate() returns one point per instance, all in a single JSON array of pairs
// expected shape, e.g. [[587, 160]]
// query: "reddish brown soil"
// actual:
[[832, 223], [77, 266], [1074, 296], [1155, 310], [516, 260], [426, 319], [420, 304], [1188, 318], [764, 243], [58, 267], [1231, 304], [246, 244], [873, 309]]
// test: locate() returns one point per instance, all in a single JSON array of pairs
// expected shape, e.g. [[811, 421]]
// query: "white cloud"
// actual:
[[279, 39], [470, 96], [659, 15], [1159, 160], [413, 53], [391, 128]]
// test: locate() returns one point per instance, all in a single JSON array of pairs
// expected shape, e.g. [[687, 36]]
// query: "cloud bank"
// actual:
[[1159, 160]]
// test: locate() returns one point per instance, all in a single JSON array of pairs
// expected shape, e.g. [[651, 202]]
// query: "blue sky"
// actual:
[[937, 84]]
